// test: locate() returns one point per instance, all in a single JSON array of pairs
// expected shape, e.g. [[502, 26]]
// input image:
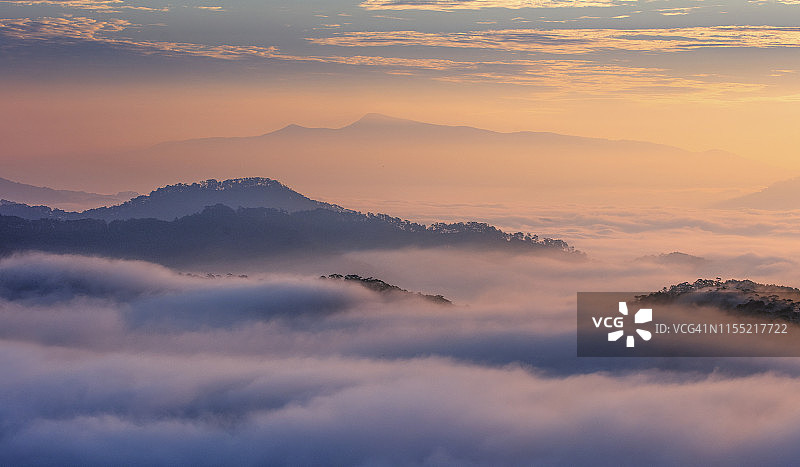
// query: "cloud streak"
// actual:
[[72, 29], [450, 5], [579, 41], [103, 6], [550, 76]]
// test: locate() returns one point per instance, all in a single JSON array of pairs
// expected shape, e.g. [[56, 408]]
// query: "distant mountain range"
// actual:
[[174, 201], [269, 220], [380, 157], [784, 195], [676, 258], [64, 199]]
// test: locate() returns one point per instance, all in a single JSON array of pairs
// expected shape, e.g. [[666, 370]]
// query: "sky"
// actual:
[[94, 76]]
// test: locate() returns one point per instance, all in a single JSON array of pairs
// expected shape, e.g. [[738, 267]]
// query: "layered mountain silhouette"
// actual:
[[283, 223], [381, 157], [66, 199], [784, 195], [179, 200]]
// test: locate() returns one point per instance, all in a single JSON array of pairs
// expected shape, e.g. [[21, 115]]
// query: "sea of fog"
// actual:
[[108, 362]]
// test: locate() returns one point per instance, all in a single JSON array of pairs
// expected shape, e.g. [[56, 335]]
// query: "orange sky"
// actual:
[[94, 77], [57, 120]]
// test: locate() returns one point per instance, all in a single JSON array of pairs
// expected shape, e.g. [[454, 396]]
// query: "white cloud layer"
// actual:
[[108, 362]]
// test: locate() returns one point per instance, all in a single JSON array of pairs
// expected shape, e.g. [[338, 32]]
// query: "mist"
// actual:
[[109, 361]]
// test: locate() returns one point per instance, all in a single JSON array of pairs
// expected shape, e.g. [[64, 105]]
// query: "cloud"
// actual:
[[582, 68], [449, 5], [232, 305], [207, 410], [41, 278], [579, 41], [783, 2], [150, 298], [586, 77], [72, 29], [104, 6], [550, 76], [284, 368], [676, 11]]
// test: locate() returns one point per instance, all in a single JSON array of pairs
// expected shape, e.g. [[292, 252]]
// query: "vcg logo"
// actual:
[[644, 315]]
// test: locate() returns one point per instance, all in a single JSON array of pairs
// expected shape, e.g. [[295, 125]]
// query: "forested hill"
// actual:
[[222, 233], [174, 201], [744, 296]]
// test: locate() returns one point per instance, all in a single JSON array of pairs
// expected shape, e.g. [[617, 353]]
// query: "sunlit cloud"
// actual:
[[107, 6], [92, 30], [547, 75], [585, 77], [448, 5], [783, 2], [75, 29], [676, 11], [579, 41]]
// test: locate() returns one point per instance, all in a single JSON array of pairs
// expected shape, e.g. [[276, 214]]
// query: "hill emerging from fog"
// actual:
[[380, 157], [239, 219], [784, 195], [386, 289], [179, 200], [221, 233], [742, 296]]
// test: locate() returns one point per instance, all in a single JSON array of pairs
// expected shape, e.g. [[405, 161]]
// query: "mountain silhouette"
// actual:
[[179, 200], [382, 157], [783, 195], [220, 233], [386, 289], [740, 296], [65, 199]]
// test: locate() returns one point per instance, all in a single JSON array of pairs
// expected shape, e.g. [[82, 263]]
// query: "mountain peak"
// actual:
[[376, 119], [182, 199], [233, 183]]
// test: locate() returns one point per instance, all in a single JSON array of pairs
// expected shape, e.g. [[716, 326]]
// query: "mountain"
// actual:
[[222, 233], [384, 288], [676, 258], [784, 195], [380, 157], [740, 296], [64, 199], [10, 208], [174, 201]]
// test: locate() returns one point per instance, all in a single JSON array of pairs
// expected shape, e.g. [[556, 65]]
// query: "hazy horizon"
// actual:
[[377, 163]]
